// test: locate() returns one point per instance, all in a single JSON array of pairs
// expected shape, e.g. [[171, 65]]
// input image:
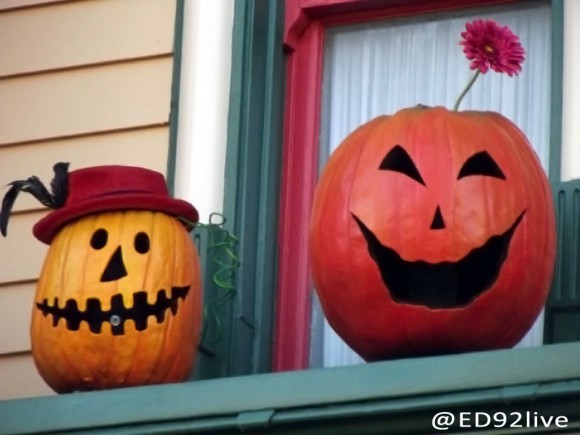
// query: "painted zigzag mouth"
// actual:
[[445, 284], [117, 314]]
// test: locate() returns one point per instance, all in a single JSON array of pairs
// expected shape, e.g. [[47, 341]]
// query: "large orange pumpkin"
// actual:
[[118, 303], [432, 232]]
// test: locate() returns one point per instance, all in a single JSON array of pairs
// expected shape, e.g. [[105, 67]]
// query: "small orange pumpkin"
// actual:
[[432, 232], [118, 301]]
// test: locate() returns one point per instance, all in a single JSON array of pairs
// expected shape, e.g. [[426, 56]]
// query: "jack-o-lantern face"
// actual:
[[122, 283], [432, 232], [444, 284]]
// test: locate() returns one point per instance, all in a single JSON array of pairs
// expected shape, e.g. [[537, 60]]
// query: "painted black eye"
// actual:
[[141, 242], [399, 161], [481, 164], [99, 238]]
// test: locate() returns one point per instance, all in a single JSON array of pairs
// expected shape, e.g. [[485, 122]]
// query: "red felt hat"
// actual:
[[107, 188]]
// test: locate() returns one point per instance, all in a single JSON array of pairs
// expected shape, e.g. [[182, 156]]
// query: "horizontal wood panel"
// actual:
[[16, 303], [147, 148], [14, 4], [21, 255], [84, 32], [19, 378], [83, 101]]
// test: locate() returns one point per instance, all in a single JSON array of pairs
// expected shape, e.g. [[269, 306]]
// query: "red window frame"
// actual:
[[304, 30]]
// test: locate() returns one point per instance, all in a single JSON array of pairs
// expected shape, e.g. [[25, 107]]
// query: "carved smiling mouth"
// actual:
[[117, 314], [440, 285]]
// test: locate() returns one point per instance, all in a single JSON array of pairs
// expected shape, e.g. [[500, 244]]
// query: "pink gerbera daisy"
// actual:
[[489, 45]]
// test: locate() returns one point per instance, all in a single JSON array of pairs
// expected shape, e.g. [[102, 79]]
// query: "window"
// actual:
[[320, 33], [377, 68]]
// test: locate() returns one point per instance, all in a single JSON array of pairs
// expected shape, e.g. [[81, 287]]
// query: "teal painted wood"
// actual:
[[257, 204], [562, 323], [382, 397], [253, 161], [556, 90], [175, 89]]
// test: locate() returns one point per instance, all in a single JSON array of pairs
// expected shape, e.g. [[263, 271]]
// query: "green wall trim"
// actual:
[[562, 315], [556, 89], [383, 397], [252, 183], [175, 90]]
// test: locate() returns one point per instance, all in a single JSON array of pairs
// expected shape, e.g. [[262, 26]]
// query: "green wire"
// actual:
[[222, 245]]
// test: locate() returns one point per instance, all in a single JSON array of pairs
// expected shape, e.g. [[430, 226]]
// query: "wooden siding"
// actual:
[[113, 30], [85, 101], [21, 4], [17, 300], [87, 82], [20, 379]]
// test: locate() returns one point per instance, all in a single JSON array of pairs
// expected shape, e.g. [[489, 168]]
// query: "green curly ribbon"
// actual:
[[222, 245]]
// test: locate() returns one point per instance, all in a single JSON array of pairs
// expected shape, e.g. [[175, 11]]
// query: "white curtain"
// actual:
[[381, 67]]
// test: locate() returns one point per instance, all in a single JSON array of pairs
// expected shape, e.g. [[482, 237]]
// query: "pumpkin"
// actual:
[[432, 231], [117, 303]]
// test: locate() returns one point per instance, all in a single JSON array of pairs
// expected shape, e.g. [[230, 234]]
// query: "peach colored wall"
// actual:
[[83, 82]]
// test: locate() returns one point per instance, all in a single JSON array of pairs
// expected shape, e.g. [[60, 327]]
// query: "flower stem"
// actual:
[[466, 90]]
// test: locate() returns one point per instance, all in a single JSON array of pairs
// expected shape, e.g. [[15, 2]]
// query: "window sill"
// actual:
[[400, 395]]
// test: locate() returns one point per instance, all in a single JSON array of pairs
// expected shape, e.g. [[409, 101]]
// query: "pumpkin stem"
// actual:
[[466, 90]]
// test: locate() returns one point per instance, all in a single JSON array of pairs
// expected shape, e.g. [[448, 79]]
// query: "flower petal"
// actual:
[[488, 45]]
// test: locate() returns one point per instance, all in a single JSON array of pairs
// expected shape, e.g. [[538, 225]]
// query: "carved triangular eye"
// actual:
[[481, 163], [399, 161]]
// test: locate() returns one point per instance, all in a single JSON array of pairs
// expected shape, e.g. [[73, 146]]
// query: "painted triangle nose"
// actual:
[[115, 268], [437, 223]]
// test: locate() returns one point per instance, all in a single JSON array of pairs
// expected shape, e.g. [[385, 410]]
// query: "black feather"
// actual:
[[7, 204], [34, 186], [59, 184]]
